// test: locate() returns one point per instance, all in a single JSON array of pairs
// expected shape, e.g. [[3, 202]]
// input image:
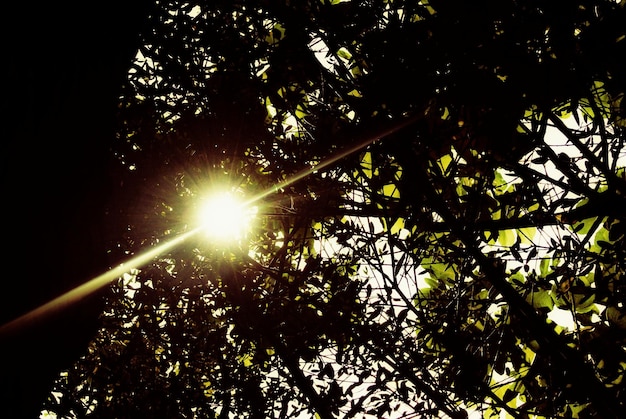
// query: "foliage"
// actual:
[[469, 260]]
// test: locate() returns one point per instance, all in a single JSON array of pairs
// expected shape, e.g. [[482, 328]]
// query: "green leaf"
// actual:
[[344, 53], [391, 191], [507, 237], [509, 395], [615, 316], [544, 265], [366, 164], [444, 162], [541, 300], [585, 302]]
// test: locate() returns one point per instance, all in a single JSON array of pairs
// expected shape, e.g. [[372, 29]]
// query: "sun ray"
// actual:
[[89, 287]]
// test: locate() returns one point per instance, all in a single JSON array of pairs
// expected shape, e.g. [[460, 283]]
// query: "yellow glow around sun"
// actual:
[[223, 217]]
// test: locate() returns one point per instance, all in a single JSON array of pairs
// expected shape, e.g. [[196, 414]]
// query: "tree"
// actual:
[[478, 203]]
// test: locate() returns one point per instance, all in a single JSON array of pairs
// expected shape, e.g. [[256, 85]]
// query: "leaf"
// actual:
[[391, 191], [399, 264], [344, 53], [491, 236], [615, 316], [397, 226], [526, 234], [507, 237], [543, 266], [444, 162], [541, 160], [402, 315], [585, 302], [366, 164], [541, 300], [518, 279], [584, 226], [516, 254], [509, 395], [431, 282]]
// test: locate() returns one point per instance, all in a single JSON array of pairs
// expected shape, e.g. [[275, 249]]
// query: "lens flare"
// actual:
[[223, 217]]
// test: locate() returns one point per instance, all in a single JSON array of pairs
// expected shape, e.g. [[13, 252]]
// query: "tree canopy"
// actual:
[[464, 253]]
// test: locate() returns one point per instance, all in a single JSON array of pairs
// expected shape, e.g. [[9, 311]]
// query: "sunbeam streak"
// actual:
[[331, 160], [89, 287]]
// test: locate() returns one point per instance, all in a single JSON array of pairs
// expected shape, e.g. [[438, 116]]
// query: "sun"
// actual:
[[224, 217]]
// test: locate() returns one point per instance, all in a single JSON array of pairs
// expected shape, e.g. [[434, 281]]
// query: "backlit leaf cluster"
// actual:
[[465, 255]]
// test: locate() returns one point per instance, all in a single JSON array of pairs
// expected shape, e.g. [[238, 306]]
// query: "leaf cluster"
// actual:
[[465, 254]]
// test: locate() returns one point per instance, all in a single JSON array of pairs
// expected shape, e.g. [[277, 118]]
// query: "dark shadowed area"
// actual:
[[63, 65]]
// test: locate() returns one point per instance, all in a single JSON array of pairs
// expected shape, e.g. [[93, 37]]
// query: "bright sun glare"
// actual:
[[224, 217]]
